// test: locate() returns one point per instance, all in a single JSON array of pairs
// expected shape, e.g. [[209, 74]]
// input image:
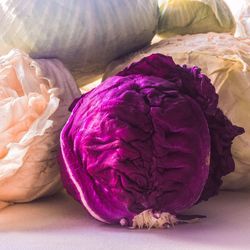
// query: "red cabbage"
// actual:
[[150, 138]]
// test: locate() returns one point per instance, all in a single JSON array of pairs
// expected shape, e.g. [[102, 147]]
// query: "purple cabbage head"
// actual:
[[151, 137]]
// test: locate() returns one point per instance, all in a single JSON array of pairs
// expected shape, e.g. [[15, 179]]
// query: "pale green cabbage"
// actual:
[[85, 35], [194, 16]]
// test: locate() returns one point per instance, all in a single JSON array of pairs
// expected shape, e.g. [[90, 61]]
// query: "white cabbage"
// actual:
[[241, 12], [226, 61], [194, 16], [34, 100], [84, 34]]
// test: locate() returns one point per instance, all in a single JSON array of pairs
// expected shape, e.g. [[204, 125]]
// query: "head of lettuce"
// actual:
[[146, 144]]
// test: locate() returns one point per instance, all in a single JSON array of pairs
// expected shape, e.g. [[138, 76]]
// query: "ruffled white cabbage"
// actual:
[[194, 16], [84, 34], [226, 61], [34, 99]]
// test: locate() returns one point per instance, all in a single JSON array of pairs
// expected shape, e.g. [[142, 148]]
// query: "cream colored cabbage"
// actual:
[[194, 16], [34, 98], [226, 61]]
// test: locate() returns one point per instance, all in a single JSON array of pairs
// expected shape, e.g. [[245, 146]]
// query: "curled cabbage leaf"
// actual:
[[84, 34], [194, 16], [225, 60], [34, 98], [149, 139]]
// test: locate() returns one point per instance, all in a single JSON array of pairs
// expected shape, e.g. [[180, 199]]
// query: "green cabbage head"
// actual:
[[194, 16]]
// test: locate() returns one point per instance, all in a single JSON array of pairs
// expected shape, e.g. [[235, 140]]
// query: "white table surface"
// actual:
[[60, 223]]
